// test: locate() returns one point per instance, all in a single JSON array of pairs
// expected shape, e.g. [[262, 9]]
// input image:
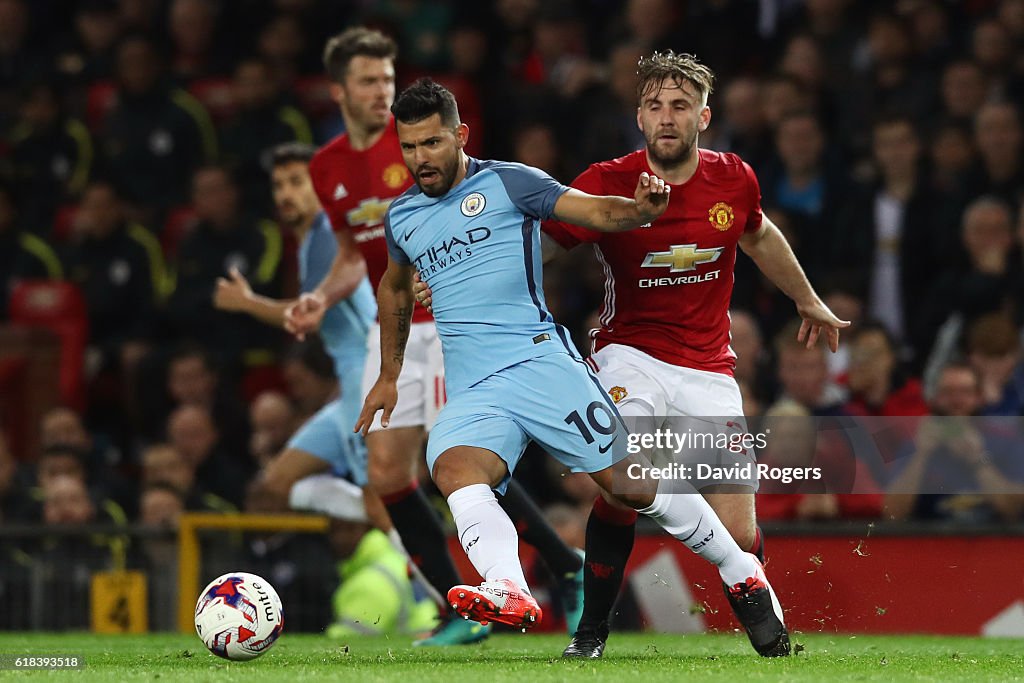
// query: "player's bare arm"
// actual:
[[773, 255], [394, 310], [347, 271], [234, 294], [615, 214], [549, 251]]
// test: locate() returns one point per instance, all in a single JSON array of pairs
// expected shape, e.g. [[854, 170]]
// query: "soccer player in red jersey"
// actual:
[[662, 351], [356, 177]]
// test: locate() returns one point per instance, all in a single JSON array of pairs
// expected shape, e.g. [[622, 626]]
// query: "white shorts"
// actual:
[[421, 393], [652, 394]]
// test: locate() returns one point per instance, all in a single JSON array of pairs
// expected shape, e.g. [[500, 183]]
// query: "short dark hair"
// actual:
[[872, 325], [651, 71], [798, 114], [152, 43], [786, 339], [190, 349], [355, 42], [291, 152], [259, 60], [964, 62], [993, 334], [160, 485], [894, 118], [961, 365], [229, 172], [784, 78], [59, 450], [105, 183], [310, 354], [423, 99]]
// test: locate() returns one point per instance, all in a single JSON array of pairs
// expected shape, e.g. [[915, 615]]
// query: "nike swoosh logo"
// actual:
[[409, 234], [604, 448]]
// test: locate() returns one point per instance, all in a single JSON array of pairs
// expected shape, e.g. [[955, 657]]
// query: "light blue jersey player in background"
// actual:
[[323, 467], [471, 230]]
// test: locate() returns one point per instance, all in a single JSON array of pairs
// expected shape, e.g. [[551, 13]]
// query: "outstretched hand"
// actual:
[[817, 318], [232, 292], [651, 196], [383, 396], [304, 316]]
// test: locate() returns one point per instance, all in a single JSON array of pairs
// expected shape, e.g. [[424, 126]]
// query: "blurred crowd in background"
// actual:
[[887, 137]]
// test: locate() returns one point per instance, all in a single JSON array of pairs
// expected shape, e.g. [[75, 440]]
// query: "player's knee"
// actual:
[[614, 502], [636, 500], [388, 474], [452, 472], [742, 530], [388, 477], [739, 522], [276, 481], [277, 489], [619, 489], [449, 474]]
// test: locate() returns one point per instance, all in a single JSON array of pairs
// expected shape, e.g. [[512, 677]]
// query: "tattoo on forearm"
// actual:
[[404, 315], [618, 221]]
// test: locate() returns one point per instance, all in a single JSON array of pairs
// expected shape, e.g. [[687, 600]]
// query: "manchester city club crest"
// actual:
[[473, 204]]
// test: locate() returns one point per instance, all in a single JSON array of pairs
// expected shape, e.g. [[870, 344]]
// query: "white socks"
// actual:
[[690, 518], [487, 534], [330, 495]]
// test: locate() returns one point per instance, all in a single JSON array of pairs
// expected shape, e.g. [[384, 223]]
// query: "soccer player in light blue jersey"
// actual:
[[470, 229], [323, 467]]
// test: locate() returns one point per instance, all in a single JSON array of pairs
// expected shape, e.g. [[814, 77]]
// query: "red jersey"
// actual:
[[356, 188], [667, 286]]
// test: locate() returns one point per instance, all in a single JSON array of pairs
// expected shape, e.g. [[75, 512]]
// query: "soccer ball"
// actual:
[[239, 616]]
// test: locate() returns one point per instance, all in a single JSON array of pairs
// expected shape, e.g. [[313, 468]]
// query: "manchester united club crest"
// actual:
[[721, 216], [394, 176], [618, 393]]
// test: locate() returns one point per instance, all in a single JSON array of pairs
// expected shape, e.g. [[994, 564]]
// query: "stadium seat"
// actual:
[[314, 93], [16, 423], [99, 100], [180, 221], [261, 378], [60, 308], [217, 95], [64, 223]]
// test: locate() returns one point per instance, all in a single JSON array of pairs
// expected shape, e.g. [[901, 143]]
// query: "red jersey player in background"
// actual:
[[662, 351], [356, 176]]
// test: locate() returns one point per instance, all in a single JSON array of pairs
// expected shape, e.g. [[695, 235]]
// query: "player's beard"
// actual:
[[293, 222], [289, 215], [445, 178], [673, 159]]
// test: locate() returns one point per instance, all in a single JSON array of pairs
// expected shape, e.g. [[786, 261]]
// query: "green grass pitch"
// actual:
[[528, 659]]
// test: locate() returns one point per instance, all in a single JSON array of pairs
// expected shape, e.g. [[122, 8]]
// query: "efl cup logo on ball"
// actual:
[[239, 616]]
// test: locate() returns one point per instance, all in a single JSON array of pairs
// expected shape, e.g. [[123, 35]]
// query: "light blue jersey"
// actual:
[[512, 374], [328, 434], [345, 326], [478, 247]]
